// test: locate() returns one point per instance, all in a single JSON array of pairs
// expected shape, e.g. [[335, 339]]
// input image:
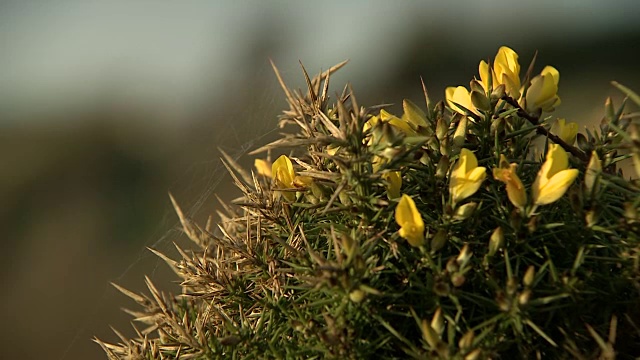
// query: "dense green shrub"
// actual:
[[478, 227]]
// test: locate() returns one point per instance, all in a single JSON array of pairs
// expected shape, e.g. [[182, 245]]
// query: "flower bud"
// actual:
[[609, 111], [442, 127], [591, 217], [464, 256], [465, 211], [636, 162], [467, 340], [452, 265], [357, 296], [480, 101], [443, 167], [476, 86], [457, 280], [532, 225], [474, 355], [444, 146], [498, 92], [503, 303], [439, 240], [441, 288], [496, 241], [630, 213], [460, 135], [527, 280], [497, 126], [591, 175], [437, 322], [429, 334], [524, 297], [344, 198]]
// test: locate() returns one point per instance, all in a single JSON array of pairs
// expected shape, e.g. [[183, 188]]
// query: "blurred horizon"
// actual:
[[105, 107]]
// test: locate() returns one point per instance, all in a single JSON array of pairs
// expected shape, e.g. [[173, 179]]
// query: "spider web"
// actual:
[[236, 140]]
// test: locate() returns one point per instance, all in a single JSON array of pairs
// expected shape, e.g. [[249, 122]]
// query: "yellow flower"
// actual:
[[466, 177], [506, 70], [554, 177], [283, 176], [543, 92], [410, 221], [565, 131], [394, 183], [263, 167], [460, 95], [397, 122], [515, 190]]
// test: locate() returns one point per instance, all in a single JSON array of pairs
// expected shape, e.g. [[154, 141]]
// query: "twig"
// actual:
[[535, 120]]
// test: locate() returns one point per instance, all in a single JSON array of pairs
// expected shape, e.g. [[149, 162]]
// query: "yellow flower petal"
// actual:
[[565, 131], [283, 175], [542, 94], [394, 183], [556, 187], [507, 71], [515, 189], [460, 95], [410, 221], [554, 178], [263, 167], [397, 122], [466, 176], [282, 170]]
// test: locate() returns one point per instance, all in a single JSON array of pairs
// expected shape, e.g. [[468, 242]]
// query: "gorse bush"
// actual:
[[478, 227]]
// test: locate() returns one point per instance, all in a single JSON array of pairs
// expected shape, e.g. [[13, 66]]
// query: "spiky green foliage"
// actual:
[[309, 263]]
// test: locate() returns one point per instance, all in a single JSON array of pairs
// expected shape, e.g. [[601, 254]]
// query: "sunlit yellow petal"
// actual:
[[394, 183], [282, 170], [461, 96], [263, 167], [515, 189], [554, 178], [397, 122], [466, 176], [410, 221], [542, 94], [567, 131], [556, 186]]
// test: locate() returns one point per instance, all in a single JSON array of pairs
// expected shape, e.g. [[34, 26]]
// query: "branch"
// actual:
[[535, 120]]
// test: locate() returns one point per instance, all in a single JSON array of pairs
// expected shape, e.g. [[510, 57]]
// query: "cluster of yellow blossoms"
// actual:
[[466, 177], [284, 177], [554, 177], [504, 78], [553, 180]]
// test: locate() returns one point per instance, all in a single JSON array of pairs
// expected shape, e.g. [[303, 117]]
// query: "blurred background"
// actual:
[[105, 107]]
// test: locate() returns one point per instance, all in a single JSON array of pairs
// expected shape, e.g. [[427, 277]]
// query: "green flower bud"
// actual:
[[496, 241], [443, 167], [529, 276], [357, 296], [465, 211], [480, 101], [467, 340], [439, 240]]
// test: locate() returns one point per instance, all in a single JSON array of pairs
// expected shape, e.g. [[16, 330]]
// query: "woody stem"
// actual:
[[535, 120]]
